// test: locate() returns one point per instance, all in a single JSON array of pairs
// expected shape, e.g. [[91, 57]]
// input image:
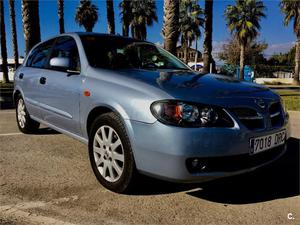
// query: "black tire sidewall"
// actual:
[[124, 183]]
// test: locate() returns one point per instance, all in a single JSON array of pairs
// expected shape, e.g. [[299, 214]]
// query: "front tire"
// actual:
[[25, 123], [110, 153]]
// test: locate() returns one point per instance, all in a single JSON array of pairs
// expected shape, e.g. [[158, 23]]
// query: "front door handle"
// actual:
[[21, 75], [43, 80]]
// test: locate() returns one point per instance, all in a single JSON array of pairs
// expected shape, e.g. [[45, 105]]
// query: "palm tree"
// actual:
[[207, 45], [243, 19], [170, 29], [86, 15], [291, 9], [31, 23], [14, 32], [190, 21], [110, 16], [60, 12], [3, 44], [143, 15], [126, 16]]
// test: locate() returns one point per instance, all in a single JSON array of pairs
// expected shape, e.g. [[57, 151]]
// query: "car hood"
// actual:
[[191, 86]]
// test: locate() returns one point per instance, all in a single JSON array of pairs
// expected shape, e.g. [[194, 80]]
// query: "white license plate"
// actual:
[[263, 143]]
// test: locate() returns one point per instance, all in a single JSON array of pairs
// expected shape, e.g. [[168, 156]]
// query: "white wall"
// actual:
[[270, 80]]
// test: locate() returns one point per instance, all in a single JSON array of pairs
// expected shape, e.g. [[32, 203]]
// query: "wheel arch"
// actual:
[[16, 93], [99, 110]]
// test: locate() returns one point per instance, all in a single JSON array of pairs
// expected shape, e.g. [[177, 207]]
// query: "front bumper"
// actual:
[[162, 151]]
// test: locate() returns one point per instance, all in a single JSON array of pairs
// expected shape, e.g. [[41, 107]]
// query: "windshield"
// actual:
[[124, 53]]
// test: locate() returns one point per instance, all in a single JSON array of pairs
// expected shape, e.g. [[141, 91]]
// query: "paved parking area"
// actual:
[[46, 179]]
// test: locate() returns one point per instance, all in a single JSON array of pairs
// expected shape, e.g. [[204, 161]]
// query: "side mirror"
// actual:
[[60, 62]]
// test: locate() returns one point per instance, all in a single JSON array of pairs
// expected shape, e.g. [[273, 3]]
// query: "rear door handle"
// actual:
[[21, 75], [43, 80]]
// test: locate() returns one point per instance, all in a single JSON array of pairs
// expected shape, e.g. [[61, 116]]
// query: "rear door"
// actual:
[[61, 89], [29, 77]]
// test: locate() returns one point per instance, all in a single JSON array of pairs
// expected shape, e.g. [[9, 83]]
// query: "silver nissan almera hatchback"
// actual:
[[141, 110]]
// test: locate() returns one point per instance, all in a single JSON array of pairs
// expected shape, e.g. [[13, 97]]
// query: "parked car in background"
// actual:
[[141, 110], [197, 67]]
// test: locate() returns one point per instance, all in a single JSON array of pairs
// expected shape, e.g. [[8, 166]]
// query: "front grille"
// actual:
[[233, 163], [250, 118], [276, 116], [254, 120]]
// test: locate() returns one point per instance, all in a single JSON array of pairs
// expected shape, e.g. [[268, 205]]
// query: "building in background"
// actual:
[[191, 54], [283, 74], [11, 66]]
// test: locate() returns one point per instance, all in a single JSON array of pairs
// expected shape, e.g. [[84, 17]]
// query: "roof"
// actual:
[[82, 34]]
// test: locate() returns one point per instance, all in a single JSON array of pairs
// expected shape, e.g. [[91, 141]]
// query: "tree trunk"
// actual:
[[207, 45], [242, 61], [14, 32], [125, 25], [88, 28], [185, 48], [139, 32], [196, 54], [3, 44], [134, 31], [60, 11], [125, 30], [31, 23], [110, 16], [297, 62], [171, 25], [143, 32]]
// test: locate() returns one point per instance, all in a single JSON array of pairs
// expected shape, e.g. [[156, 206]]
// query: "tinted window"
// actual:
[[39, 55], [123, 53], [66, 47]]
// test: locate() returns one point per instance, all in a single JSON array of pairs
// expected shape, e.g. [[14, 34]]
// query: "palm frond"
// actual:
[[244, 18]]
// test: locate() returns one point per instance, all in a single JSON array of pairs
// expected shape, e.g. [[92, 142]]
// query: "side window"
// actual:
[[39, 55], [66, 47]]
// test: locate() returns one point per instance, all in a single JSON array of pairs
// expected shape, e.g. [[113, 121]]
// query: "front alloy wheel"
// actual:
[[110, 153]]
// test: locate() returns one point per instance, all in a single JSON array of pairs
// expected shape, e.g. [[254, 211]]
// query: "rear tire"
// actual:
[[110, 153], [25, 123]]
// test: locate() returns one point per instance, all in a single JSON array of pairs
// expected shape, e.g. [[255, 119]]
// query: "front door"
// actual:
[[61, 89]]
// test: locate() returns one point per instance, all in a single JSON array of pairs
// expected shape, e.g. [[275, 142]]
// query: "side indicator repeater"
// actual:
[[87, 93]]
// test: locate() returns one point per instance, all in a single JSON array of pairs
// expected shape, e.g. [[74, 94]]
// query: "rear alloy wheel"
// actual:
[[25, 123], [21, 113], [110, 153]]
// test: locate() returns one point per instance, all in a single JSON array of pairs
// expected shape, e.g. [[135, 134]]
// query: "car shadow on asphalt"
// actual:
[[150, 186], [46, 131], [275, 181], [278, 180]]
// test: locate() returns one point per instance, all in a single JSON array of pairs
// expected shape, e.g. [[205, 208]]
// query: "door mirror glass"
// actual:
[[60, 62]]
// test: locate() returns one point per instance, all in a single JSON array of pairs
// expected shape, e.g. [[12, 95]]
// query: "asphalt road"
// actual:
[[47, 179]]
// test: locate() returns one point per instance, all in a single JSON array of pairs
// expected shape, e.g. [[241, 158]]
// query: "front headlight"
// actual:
[[183, 114]]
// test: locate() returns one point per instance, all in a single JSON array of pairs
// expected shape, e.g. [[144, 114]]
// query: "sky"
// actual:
[[273, 32]]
